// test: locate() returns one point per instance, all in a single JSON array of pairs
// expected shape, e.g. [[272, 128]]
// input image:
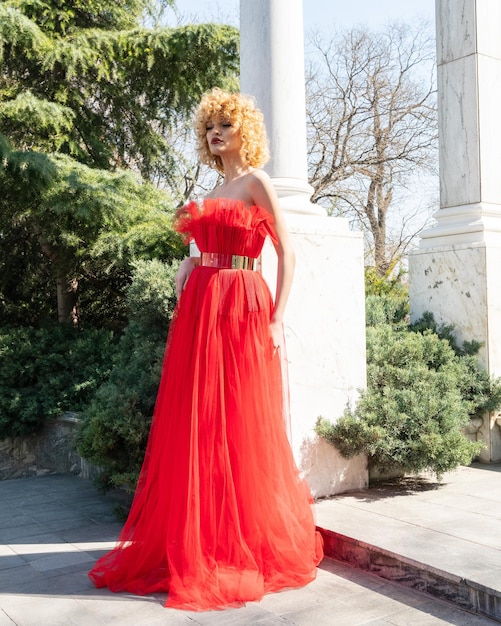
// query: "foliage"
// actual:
[[90, 99], [386, 298], [117, 421], [421, 392], [60, 17], [45, 372], [446, 331], [75, 223], [87, 80]]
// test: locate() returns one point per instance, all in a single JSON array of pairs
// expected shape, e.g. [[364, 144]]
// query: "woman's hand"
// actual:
[[277, 333], [184, 272]]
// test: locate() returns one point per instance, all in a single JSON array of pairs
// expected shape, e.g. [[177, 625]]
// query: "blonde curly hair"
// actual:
[[242, 112]]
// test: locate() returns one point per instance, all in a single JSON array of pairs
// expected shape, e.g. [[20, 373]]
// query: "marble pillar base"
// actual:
[[325, 335], [459, 284]]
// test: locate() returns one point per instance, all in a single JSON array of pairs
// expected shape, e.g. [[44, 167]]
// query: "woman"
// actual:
[[220, 515]]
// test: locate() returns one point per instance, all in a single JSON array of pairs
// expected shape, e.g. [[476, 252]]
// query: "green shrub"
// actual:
[[422, 389], [116, 423], [446, 331], [45, 372], [386, 299], [386, 309]]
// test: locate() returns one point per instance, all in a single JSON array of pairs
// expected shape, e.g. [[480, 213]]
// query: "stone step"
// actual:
[[465, 593], [444, 542]]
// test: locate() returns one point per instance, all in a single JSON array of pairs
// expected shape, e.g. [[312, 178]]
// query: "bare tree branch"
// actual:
[[372, 124]]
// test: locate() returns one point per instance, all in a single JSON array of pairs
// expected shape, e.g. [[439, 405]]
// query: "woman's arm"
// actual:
[[263, 194]]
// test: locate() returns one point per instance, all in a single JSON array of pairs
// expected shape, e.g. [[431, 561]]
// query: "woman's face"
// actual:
[[223, 138]]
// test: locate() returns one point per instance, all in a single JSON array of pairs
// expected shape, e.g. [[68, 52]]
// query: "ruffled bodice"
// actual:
[[226, 226]]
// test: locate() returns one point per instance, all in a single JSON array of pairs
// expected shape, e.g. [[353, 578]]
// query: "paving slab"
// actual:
[[442, 537], [44, 565]]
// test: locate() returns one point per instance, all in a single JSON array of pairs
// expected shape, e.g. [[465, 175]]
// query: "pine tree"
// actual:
[[87, 92], [92, 83]]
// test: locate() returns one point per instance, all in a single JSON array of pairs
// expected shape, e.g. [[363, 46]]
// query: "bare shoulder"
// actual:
[[259, 178], [262, 191], [212, 193]]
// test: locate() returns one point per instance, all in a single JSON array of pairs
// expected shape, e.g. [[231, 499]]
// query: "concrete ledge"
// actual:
[[466, 594]]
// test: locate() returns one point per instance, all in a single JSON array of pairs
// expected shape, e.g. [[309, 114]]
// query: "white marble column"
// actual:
[[272, 70], [455, 272], [325, 322]]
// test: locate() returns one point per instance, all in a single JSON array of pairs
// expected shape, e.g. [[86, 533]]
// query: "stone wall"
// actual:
[[52, 451]]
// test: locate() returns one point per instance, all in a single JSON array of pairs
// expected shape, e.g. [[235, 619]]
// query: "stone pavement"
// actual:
[[442, 537], [52, 529]]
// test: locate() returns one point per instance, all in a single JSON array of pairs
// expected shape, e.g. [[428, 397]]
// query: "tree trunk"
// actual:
[[380, 261], [67, 294], [67, 288]]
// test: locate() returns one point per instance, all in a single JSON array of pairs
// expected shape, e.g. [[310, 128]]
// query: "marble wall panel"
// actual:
[[455, 29], [451, 283], [459, 133], [488, 27], [467, 26], [489, 97]]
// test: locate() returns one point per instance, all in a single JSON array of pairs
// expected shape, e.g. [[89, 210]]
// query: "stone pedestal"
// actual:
[[325, 316], [459, 284], [455, 272], [325, 337]]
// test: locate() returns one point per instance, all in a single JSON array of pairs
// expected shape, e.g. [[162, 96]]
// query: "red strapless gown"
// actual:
[[220, 515]]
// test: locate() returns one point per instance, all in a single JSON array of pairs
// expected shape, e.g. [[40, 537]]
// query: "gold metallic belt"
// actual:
[[227, 261]]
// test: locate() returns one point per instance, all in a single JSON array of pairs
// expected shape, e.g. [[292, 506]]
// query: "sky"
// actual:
[[318, 15]]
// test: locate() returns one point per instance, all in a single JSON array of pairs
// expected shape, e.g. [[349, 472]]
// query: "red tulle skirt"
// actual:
[[220, 515]]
